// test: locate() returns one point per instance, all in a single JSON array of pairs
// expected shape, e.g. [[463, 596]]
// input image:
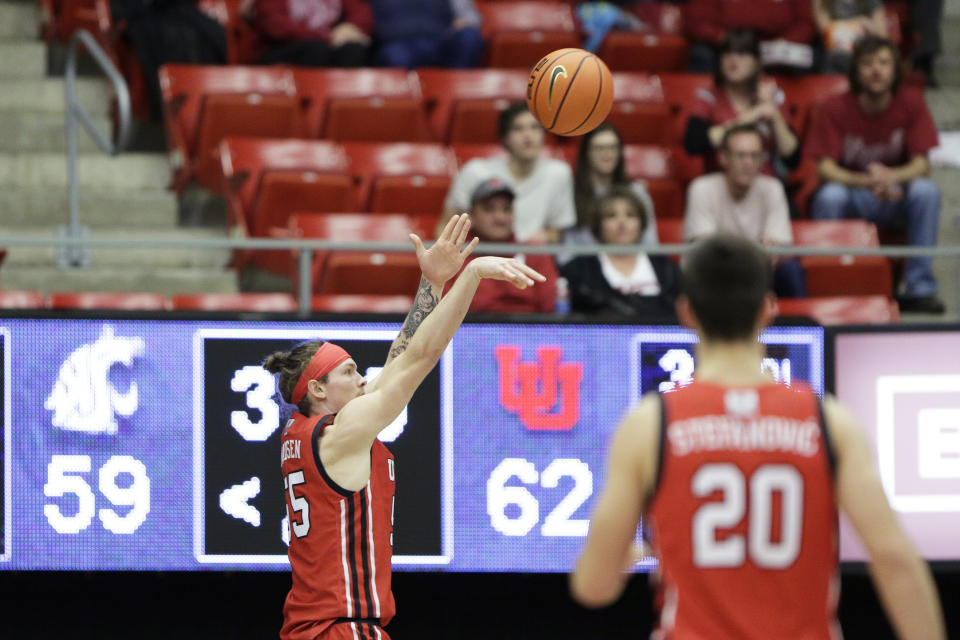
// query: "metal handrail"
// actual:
[[306, 246], [74, 254]]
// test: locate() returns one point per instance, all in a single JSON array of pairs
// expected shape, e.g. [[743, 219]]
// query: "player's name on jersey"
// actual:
[[760, 433], [289, 450]]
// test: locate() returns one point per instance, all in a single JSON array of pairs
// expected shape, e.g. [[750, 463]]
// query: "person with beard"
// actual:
[[870, 145], [491, 214]]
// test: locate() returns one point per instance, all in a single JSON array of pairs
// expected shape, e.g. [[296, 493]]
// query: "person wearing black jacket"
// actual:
[[632, 284]]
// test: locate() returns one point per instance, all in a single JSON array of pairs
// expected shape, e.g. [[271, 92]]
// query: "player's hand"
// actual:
[[443, 260], [509, 269]]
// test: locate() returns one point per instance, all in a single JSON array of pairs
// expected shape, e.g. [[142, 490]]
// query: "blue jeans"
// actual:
[[458, 49], [918, 210]]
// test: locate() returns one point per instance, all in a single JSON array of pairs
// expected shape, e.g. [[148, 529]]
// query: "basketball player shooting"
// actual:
[[741, 478], [339, 478]]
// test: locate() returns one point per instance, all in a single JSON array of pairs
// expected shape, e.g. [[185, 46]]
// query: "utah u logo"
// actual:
[[534, 389]]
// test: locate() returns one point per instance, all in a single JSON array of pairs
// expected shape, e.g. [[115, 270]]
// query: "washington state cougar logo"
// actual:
[[83, 398], [545, 393]]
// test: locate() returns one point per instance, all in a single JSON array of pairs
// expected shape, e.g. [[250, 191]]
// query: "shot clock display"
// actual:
[[154, 444]]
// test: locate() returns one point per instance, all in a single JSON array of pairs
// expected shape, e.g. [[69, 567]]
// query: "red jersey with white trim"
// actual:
[[744, 516], [341, 541]]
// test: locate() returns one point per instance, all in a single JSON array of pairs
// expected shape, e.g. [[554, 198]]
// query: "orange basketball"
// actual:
[[570, 91]]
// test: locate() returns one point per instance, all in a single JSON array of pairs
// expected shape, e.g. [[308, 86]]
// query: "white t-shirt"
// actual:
[[762, 215], [642, 281], [544, 199]]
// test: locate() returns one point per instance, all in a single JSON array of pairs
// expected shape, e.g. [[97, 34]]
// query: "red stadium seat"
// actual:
[[100, 300], [352, 303], [370, 227], [670, 231], [21, 300], [265, 302], [639, 111], [366, 105], [464, 104], [520, 33], [801, 93], [845, 274], [204, 104], [370, 273], [679, 90], [842, 309], [666, 173], [630, 51], [269, 179], [402, 177]]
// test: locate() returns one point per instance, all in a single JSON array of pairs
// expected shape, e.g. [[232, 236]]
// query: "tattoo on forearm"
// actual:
[[424, 302]]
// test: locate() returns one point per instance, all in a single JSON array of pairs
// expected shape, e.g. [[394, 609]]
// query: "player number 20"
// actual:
[[711, 517]]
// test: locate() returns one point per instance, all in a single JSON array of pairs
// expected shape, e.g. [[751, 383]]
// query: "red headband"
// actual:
[[325, 360]]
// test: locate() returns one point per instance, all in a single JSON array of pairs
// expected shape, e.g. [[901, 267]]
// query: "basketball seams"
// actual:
[[596, 100], [536, 90], [556, 113]]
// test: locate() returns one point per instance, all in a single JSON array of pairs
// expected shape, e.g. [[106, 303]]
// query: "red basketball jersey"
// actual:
[[744, 516], [340, 541]]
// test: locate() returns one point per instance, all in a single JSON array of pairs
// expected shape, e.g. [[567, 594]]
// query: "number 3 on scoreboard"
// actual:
[[732, 551], [299, 504]]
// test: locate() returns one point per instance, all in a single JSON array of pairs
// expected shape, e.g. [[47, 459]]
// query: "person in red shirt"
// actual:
[[313, 33], [739, 96], [706, 23], [740, 479], [338, 478], [870, 145], [491, 213]]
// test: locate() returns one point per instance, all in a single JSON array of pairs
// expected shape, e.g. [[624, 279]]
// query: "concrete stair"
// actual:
[[26, 131], [18, 20], [144, 210], [22, 59]]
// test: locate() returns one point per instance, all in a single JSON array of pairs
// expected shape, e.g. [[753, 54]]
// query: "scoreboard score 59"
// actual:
[[154, 444]]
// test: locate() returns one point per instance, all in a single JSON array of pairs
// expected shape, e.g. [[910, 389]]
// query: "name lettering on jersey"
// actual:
[[762, 433], [390, 469], [289, 450]]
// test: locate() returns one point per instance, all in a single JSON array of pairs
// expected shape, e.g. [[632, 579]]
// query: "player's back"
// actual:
[[341, 541], [744, 515]]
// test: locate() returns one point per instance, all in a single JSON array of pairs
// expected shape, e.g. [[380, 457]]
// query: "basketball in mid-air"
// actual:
[[570, 91]]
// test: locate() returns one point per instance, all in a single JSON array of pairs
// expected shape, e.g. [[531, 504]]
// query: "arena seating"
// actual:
[[465, 104], [842, 309], [357, 272], [348, 303], [260, 302], [102, 300], [639, 110], [21, 300], [520, 33], [846, 274], [679, 90]]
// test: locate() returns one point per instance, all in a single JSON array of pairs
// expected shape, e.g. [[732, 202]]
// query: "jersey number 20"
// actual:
[[758, 544]]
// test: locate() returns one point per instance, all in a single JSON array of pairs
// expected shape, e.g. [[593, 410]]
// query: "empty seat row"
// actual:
[[242, 302], [204, 104]]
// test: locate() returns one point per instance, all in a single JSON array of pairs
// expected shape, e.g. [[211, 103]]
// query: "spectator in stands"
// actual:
[[740, 97], [871, 145], [543, 186], [706, 23], [428, 33], [600, 167], [842, 23], [316, 33], [633, 284], [491, 217], [744, 202]]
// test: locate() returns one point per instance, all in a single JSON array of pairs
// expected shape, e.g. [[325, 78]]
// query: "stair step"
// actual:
[[18, 20], [126, 258], [23, 59], [46, 95], [126, 172], [143, 209], [167, 281], [25, 131]]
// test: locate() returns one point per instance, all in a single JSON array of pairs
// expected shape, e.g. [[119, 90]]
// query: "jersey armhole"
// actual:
[[322, 424], [827, 443], [661, 452]]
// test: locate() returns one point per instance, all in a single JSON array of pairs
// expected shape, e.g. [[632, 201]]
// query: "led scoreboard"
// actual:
[[154, 444]]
